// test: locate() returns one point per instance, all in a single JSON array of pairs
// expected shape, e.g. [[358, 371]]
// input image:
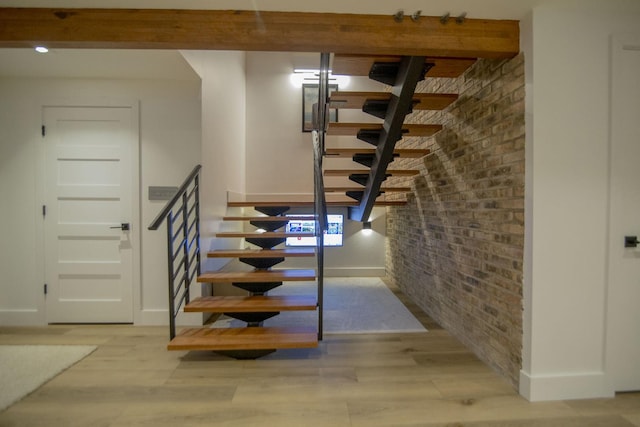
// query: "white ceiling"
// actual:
[[161, 64], [93, 63]]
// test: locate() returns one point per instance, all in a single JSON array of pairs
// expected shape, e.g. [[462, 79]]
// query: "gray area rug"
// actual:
[[351, 305], [24, 368]]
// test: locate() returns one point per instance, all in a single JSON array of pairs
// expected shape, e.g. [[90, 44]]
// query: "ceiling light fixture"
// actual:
[[41, 49], [312, 76]]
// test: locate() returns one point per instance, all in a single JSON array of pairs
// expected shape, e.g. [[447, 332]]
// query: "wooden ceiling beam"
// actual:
[[256, 31]]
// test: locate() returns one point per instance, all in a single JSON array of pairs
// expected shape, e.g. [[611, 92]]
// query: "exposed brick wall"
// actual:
[[456, 248]]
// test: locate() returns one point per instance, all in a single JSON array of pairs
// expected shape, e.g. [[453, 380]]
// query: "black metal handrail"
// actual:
[[183, 242], [320, 203]]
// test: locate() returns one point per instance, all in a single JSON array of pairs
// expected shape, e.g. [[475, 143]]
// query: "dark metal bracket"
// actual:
[[411, 70]]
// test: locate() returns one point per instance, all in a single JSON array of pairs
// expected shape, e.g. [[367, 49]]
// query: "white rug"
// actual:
[[24, 368], [351, 305]]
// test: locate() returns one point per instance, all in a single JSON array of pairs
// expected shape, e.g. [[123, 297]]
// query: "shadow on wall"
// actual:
[[456, 248]]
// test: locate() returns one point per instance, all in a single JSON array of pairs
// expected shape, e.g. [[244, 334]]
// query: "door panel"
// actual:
[[623, 315], [90, 181]]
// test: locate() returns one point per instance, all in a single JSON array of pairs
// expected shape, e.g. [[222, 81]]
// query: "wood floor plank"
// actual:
[[132, 380]]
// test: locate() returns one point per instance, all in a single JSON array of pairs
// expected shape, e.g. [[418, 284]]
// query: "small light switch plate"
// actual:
[[162, 193]]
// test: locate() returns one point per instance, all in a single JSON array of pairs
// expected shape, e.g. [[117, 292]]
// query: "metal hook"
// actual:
[[460, 19], [444, 18], [416, 16], [399, 16]]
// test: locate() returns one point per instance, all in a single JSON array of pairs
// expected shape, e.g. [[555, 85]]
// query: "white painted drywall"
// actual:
[[223, 141], [170, 147], [565, 283]]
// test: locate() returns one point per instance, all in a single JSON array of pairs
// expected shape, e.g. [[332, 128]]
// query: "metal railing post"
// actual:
[[172, 320], [185, 265], [185, 244]]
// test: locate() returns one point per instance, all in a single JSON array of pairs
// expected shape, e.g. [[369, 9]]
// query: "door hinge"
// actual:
[[45, 288], [44, 210], [44, 130]]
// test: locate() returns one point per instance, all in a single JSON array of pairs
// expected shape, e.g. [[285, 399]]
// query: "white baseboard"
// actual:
[[21, 318], [587, 385]]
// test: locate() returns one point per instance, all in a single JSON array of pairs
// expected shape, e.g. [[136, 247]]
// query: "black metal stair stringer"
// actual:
[[411, 71]]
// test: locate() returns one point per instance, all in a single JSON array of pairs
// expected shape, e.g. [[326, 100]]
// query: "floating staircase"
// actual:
[[402, 74], [256, 340], [256, 306], [260, 273]]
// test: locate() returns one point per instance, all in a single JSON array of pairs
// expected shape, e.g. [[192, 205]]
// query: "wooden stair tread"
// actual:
[[347, 172], [257, 276], [426, 101], [276, 218], [415, 153], [385, 189], [253, 338], [265, 235], [262, 253], [351, 129], [359, 65], [251, 304], [309, 203]]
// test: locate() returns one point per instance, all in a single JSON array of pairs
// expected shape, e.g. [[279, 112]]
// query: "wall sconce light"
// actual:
[[366, 228]]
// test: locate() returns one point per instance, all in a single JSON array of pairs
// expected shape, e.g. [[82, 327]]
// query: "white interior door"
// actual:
[[623, 314], [91, 174]]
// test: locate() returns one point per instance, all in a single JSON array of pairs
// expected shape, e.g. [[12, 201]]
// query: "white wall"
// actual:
[[565, 281], [170, 147], [22, 276], [223, 141], [279, 154]]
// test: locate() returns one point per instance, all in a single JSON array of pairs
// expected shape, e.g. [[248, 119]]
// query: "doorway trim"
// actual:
[[619, 43], [136, 232]]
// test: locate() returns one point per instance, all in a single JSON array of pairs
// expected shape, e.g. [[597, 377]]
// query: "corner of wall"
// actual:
[[587, 385], [526, 47]]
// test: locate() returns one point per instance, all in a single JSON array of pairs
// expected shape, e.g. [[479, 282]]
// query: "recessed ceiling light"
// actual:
[[41, 49]]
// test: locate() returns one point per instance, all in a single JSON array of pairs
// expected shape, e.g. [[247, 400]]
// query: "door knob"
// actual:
[[124, 226]]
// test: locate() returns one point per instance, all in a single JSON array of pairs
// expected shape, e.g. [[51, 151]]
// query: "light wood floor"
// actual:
[[416, 379]]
